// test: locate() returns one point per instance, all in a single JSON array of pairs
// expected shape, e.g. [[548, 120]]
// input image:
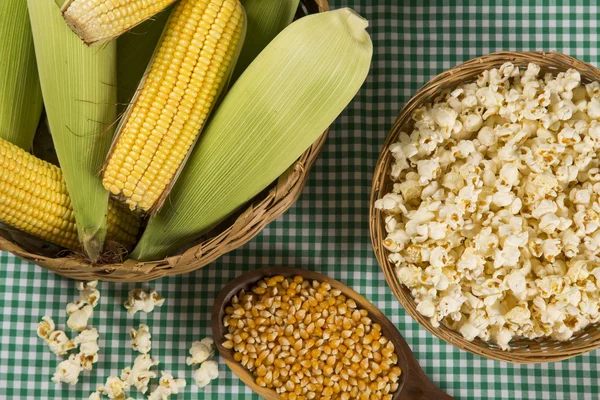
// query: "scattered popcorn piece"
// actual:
[[114, 388], [140, 339], [166, 387], [208, 371], [59, 343], [201, 351], [45, 328], [496, 189], [68, 371], [139, 375], [79, 314], [88, 348], [88, 292], [140, 300], [94, 396]]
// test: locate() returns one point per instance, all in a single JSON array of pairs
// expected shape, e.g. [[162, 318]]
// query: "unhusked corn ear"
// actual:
[[20, 93], [283, 102], [79, 86], [266, 18], [184, 80], [34, 199], [102, 20]]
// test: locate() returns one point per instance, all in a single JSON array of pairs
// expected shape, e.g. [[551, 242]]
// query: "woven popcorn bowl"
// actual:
[[523, 351], [229, 235]]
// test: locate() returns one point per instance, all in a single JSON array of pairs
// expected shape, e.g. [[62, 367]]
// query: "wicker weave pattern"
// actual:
[[230, 235], [523, 351]]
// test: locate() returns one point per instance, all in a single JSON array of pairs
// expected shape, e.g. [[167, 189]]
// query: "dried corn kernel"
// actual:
[[308, 341]]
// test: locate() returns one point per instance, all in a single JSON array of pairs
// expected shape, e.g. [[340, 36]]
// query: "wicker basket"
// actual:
[[231, 234], [523, 351]]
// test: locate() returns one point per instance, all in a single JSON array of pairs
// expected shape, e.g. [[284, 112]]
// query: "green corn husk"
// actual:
[[134, 51], [20, 93], [80, 93], [266, 19], [287, 97]]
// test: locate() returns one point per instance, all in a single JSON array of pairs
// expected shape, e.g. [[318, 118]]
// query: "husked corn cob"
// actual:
[[134, 52], [280, 105], [101, 20], [191, 67], [34, 199]]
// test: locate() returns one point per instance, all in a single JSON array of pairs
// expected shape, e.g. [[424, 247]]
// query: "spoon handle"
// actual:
[[418, 386]]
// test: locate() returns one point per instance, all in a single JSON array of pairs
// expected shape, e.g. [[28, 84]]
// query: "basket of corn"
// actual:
[[148, 138], [484, 210]]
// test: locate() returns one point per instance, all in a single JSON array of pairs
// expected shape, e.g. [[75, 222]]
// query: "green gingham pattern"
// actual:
[[326, 231]]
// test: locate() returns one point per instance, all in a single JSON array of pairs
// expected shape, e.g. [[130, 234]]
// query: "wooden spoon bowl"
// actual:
[[413, 383]]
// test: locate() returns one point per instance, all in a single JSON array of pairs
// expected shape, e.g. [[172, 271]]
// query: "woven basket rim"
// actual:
[[524, 351], [263, 209]]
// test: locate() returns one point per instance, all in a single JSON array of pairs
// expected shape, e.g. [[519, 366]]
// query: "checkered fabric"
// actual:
[[327, 230]]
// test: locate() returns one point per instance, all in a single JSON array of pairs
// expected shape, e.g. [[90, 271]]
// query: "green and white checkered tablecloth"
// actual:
[[327, 230]]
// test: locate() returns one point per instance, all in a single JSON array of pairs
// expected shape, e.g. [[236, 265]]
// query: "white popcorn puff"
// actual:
[[45, 328], [88, 292], [208, 371], [140, 300], [201, 351], [94, 396], [427, 308], [59, 343], [139, 375], [88, 348], [493, 222], [67, 371], [79, 314], [114, 388], [140, 339], [166, 387]]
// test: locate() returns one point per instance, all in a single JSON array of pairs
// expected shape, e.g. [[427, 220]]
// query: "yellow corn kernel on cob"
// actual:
[[34, 199], [102, 20], [184, 80], [280, 105]]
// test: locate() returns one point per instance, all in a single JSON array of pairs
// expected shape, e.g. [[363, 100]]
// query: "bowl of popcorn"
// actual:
[[485, 212]]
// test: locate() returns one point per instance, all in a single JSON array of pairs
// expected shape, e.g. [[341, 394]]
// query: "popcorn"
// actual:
[[493, 222], [94, 396], [79, 314], [68, 371], [45, 328], [140, 300], [88, 348], [59, 343], [139, 375], [114, 388], [166, 387], [88, 292], [208, 371], [201, 351], [140, 339]]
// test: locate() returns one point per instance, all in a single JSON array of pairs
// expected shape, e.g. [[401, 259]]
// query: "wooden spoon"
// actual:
[[413, 383]]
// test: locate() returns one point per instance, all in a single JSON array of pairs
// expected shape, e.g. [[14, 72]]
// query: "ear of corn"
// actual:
[[34, 199], [79, 89], [191, 67], [266, 18], [103, 20], [287, 97], [20, 93], [134, 51]]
